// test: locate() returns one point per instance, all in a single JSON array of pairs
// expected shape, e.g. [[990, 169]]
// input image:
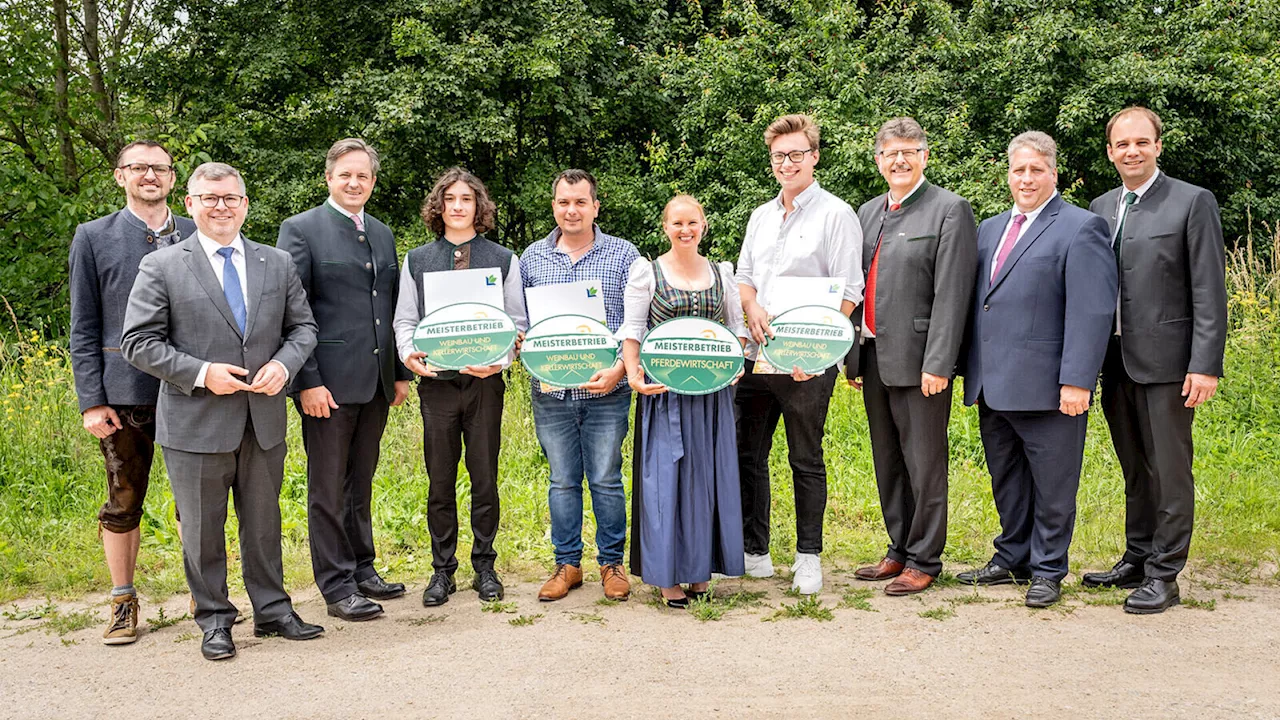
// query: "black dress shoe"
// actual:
[[439, 590], [1121, 575], [355, 608], [1154, 596], [1043, 592], [487, 585], [375, 588], [217, 644], [993, 574], [289, 627]]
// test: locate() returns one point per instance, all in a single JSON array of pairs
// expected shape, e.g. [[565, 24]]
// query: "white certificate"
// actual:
[[449, 287], [584, 297], [788, 293]]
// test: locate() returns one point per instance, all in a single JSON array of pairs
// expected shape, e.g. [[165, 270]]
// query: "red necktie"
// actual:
[[869, 313], [1009, 240]]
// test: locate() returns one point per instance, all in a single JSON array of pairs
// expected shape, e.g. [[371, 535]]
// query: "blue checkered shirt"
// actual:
[[609, 261]]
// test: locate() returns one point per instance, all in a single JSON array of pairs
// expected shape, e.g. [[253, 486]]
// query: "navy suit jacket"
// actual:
[[1045, 319]]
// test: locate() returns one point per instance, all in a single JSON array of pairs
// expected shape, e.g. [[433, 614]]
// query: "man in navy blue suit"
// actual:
[[1038, 331]]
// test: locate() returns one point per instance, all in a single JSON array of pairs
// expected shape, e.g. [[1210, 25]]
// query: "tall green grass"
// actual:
[[52, 483]]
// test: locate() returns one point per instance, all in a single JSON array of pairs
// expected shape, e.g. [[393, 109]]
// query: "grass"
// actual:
[[809, 607], [939, 613], [713, 607], [424, 620], [161, 620], [52, 480], [524, 620], [587, 618], [497, 606], [607, 602], [60, 623], [1197, 604], [857, 599]]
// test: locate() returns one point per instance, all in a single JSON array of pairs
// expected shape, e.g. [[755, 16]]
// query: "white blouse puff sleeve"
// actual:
[[639, 295]]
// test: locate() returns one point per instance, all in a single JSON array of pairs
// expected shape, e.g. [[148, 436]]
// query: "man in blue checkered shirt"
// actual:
[[581, 430]]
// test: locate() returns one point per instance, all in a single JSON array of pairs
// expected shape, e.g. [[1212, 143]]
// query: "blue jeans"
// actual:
[[585, 437]]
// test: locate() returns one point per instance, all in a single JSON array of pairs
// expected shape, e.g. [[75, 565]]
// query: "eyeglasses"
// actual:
[[794, 156], [139, 169], [907, 155], [211, 201]]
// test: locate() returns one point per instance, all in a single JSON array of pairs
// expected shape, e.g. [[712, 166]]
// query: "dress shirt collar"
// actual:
[[804, 198], [1033, 214], [911, 196], [363, 222], [1142, 189], [211, 246], [133, 217]]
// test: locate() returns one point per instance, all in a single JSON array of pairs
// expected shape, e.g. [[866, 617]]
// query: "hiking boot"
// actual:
[[123, 628]]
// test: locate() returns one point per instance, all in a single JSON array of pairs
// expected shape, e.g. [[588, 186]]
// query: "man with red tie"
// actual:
[[1043, 305], [919, 250]]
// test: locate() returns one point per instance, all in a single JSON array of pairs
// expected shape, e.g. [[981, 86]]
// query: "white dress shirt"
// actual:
[[820, 238], [641, 286], [339, 208], [1004, 234], [211, 248]]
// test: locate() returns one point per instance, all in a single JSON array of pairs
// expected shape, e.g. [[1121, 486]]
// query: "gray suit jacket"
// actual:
[[1173, 291], [924, 281], [178, 319], [102, 265]]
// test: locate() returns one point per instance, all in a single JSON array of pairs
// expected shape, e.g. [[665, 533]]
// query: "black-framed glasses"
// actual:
[[139, 169], [210, 200], [909, 154], [794, 156]]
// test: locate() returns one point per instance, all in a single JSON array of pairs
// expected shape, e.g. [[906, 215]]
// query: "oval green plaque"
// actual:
[[810, 337], [463, 334], [691, 355], [564, 351]]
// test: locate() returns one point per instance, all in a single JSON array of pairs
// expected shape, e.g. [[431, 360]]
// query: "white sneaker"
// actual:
[[759, 566], [806, 574]]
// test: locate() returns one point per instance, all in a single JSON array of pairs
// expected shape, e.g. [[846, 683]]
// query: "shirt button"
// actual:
[[986, 308], [377, 322], [457, 253], [375, 351], [368, 266], [375, 293]]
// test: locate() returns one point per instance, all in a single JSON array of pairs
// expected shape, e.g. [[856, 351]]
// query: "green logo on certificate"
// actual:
[[456, 336], [811, 337], [564, 351], [691, 356]]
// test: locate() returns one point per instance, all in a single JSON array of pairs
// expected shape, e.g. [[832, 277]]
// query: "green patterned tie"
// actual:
[[1129, 199]]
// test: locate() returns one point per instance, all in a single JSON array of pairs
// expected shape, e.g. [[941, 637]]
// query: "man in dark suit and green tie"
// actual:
[[1165, 356]]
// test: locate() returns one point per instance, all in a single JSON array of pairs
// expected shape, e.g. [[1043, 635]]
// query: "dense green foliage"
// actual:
[[653, 96]]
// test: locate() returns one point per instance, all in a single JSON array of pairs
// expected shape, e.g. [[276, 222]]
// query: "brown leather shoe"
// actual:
[[564, 579], [882, 570], [616, 584], [911, 581]]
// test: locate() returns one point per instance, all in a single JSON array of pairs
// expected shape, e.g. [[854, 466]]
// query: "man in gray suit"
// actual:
[[346, 260], [205, 316], [920, 245], [1165, 356], [117, 402]]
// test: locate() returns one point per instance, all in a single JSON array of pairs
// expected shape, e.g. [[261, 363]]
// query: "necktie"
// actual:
[[1129, 199], [869, 313], [358, 222], [1010, 239], [231, 287]]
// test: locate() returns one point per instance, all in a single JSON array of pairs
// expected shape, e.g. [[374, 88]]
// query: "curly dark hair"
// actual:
[[433, 203]]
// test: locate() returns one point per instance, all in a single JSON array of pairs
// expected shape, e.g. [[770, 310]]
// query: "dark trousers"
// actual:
[[342, 455], [1034, 459], [909, 449], [1151, 431], [201, 483], [127, 455], [462, 410], [760, 401]]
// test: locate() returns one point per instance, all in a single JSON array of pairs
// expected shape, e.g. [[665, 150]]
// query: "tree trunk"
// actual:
[[61, 88]]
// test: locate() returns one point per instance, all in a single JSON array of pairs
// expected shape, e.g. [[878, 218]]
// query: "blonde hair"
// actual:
[[788, 124], [684, 198]]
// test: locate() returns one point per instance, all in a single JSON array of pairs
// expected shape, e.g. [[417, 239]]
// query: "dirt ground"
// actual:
[[970, 655]]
